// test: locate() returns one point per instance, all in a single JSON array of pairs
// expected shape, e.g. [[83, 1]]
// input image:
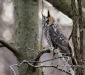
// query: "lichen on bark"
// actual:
[[26, 21]]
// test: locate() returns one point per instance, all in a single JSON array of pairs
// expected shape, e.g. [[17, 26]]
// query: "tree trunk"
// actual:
[[81, 34], [74, 36], [26, 21]]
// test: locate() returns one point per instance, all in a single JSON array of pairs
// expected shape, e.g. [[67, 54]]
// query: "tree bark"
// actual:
[[81, 34], [74, 35], [26, 21], [74, 32]]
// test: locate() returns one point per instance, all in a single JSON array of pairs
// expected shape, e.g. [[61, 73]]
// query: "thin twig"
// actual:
[[39, 66], [11, 67]]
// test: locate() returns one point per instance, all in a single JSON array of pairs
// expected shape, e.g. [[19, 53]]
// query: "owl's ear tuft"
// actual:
[[48, 13]]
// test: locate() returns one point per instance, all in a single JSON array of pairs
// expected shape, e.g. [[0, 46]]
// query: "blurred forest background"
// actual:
[[20, 27]]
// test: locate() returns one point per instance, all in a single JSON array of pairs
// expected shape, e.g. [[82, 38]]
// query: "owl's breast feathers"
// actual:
[[59, 40]]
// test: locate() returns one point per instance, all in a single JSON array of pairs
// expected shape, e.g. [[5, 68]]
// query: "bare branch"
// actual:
[[4, 44], [39, 66], [11, 67]]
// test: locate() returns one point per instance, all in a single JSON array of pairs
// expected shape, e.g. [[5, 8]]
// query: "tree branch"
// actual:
[[65, 7], [16, 53], [38, 66]]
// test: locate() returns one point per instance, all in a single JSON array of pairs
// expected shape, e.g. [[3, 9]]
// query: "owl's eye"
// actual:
[[47, 21]]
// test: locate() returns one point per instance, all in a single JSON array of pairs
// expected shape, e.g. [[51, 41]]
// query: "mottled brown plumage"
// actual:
[[55, 37]]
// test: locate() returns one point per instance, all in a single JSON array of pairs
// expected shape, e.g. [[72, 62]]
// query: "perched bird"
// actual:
[[55, 37]]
